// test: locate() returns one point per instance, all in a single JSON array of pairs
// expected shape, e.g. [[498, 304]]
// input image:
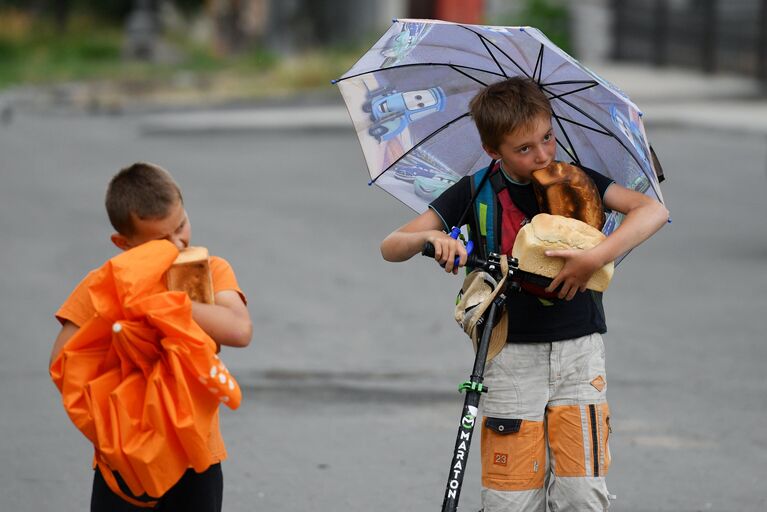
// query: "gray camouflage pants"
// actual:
[[546, 428]]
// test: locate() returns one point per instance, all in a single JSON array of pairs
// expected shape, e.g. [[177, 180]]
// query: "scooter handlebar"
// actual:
[[473, 259]]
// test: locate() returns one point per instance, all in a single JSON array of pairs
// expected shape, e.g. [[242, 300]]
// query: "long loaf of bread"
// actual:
[[190, 273], [564, 189], [554, 232]]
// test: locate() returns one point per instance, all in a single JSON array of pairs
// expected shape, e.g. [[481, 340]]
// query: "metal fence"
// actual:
[[710, 35]]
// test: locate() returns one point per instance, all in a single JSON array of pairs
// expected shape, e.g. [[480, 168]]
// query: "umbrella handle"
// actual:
[[454, 234]]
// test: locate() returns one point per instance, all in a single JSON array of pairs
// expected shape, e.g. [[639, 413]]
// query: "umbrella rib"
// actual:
[[425, 139], [575, 107], [492, 55], [574, 154], [538, 66], [558, 96], [573, 157], [570, 82], [480, 82], [497, 48], [454, 66], [571, 121]]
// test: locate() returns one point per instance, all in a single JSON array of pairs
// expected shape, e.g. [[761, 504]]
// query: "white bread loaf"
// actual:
[[190, 273], [553, 232]]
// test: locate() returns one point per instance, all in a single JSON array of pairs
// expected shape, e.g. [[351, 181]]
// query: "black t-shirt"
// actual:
[[532, 319]]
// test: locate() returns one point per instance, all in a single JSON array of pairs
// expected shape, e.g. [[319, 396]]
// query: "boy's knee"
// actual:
[[578, 494]]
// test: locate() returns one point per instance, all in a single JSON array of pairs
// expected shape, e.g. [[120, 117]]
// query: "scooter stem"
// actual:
[[474, 389]]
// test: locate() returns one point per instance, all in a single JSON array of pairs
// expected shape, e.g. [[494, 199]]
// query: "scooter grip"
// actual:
[[428, 251]]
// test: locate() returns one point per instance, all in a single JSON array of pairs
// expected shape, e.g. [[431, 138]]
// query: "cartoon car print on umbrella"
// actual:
[[400, 44], [409, 173], [392, 111], [431, 188], [631, 130]]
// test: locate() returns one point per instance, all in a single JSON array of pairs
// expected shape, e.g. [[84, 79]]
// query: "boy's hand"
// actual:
[[446, 249], [579, 267]]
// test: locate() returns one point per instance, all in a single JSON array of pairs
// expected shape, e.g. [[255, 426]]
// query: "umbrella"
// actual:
[[141, 380], [408, 99]]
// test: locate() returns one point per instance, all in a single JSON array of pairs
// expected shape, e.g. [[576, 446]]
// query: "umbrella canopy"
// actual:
[[141, 380], [408, 98]]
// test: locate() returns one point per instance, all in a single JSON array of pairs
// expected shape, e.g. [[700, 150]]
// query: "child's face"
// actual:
[[174, 227], [527, 149]]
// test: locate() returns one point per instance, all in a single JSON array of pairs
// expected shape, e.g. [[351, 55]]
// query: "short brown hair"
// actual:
[[503, 107], [145, 190]]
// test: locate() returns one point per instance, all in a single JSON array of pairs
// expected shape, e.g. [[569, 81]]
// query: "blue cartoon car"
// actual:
[[431, 188], [393, 111], [409, 173]]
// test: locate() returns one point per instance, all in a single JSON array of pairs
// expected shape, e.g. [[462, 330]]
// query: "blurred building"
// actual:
[[712, 36], [286, 26]]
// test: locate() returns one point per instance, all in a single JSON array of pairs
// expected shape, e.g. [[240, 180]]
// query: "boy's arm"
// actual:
[[644, 217], [408, 240], [227, 321], [67, 331]]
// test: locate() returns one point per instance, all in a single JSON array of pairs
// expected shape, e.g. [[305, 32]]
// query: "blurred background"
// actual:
[[350, 382], [112, 55]]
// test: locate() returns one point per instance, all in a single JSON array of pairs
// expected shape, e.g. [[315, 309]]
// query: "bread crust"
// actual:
[[190, 273], [554, 232], [566, 190]]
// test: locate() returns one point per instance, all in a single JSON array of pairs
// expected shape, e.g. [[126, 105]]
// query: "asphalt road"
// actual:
[[350, 399]]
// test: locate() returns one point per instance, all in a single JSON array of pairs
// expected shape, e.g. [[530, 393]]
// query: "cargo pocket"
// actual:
[[599, 422], [606, 430], [513, 454]]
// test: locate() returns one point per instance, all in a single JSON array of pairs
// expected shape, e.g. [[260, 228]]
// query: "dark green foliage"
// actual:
[[549, 16]]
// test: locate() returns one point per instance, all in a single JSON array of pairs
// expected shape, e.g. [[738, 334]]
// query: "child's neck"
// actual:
[[513, 180]]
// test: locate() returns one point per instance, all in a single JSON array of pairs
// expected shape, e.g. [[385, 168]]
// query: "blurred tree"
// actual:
[[141, 31], [114, 10], [551, 17], [239, 25], [61, 12]]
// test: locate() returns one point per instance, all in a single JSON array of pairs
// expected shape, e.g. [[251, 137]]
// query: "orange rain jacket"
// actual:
[[141, 380]]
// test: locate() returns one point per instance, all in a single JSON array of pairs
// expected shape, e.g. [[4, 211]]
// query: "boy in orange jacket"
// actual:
[[144, 203]]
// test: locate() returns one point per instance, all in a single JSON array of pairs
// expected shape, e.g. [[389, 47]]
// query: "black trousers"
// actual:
[[194, 492]]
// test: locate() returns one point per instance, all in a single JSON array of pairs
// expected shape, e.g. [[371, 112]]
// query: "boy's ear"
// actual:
[[120, 241], [491, 152]]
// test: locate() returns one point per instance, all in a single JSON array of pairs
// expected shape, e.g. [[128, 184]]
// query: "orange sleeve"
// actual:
[[78, 308], [223, 277]]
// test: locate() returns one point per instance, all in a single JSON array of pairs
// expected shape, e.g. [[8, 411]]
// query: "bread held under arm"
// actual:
[[555, 232]]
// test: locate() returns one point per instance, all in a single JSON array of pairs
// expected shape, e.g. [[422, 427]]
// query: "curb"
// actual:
[[309, 119], [733, 116]]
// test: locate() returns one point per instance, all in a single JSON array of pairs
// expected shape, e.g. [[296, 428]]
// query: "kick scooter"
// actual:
[[474, 387]]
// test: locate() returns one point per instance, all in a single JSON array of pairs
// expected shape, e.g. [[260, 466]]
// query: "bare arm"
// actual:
[[408, 240], [644, 217], [227, 321], [67, 331]]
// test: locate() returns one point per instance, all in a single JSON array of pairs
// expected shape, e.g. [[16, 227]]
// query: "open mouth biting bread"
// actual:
[[564, 189]]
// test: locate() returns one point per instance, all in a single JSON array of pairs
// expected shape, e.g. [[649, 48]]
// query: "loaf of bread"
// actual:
[[564, 189], [553, 232], [190, 273]]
